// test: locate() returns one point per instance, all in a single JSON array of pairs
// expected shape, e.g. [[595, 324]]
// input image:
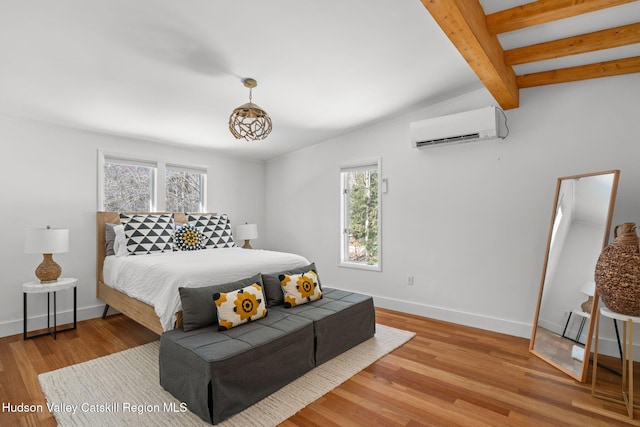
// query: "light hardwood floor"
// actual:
[[447, 375]]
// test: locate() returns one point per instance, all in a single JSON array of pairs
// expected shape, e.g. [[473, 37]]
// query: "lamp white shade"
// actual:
[[246, 231], [46, 241]]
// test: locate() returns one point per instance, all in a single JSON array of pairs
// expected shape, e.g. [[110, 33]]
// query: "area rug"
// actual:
[[123, 388]]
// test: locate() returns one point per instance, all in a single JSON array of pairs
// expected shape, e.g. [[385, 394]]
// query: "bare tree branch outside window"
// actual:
[[184, 191], [127, 187]]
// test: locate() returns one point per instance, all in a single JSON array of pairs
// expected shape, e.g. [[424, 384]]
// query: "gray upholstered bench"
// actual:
[[218, 374], [341, 320]]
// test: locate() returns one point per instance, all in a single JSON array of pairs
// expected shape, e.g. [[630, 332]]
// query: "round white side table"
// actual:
[[36, 287], [627, 358]]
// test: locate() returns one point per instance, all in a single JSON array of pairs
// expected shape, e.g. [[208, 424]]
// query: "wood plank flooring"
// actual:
[[447, 375]]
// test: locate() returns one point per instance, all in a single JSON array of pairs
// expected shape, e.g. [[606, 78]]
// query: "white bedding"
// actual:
[[155, 278]]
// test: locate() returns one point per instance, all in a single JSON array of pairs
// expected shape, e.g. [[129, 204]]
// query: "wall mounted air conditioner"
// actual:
[[475, 125]]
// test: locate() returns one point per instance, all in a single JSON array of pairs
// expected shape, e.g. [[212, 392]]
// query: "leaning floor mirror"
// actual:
[[579, 229]]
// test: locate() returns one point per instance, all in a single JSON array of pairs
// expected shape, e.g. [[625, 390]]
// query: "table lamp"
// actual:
[[589, 290], [247, 232], [47, 241]]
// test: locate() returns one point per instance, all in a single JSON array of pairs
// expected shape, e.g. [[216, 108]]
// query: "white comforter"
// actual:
[[155, 279]]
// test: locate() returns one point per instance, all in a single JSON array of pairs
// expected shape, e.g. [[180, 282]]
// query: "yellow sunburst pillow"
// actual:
[[241, 306], [300, 288]]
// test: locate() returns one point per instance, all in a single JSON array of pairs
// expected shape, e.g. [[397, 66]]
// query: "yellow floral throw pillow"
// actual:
[[241, 306], [300, 288]]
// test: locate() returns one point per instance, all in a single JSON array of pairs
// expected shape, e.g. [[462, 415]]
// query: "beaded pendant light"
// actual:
[[248, 121]]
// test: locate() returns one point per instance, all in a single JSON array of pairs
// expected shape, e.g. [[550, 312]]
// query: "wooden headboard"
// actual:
[[103, 218]]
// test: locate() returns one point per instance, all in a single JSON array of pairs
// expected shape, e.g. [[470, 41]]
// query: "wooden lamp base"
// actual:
[[246, 245], [48, 271]]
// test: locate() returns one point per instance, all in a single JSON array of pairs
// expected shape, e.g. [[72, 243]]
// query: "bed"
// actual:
[[145, 287]]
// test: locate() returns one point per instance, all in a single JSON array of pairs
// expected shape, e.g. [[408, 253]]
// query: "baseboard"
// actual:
[[607, 346], [509, 327], [15, 327]]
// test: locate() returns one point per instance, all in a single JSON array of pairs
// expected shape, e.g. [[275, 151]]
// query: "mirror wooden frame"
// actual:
[[582, 375]]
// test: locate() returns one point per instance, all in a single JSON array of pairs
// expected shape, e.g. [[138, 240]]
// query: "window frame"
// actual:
[[159, 188], [189, 169], [344, 240]]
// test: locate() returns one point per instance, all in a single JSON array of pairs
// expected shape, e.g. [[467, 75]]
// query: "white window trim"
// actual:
[[352, 167], [158, 204]]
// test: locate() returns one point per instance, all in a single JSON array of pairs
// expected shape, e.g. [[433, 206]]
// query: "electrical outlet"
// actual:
[[410, 280]]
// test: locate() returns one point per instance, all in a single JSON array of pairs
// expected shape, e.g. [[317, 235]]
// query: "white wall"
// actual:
[[470, 222], [49, 177]]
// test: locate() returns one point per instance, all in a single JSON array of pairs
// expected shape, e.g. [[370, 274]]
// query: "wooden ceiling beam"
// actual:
[[543, 11], [605, 39], [583, 72], [464, 22]]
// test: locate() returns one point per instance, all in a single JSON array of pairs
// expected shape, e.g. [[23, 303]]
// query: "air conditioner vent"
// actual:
[[468, 126], [459, 138]]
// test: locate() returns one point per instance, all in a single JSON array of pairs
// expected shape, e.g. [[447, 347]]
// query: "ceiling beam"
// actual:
[[583, 72], [464, 22], [543, 11], [605, 39]]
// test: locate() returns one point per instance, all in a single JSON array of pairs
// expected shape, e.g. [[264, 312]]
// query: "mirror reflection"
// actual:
[[579, 230]]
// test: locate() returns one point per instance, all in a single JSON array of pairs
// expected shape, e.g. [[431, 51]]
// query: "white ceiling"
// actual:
[[170, 71]]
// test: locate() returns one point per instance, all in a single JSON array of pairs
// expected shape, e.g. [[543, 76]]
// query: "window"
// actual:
[[556, 226], [360, 216], [185, 189], [128, 185], [133, 185]]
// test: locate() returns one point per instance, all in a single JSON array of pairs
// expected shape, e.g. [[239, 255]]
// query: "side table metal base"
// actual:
[[50, 331]]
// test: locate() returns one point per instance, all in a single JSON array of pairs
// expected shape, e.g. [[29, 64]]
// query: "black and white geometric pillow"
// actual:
[[216, 229], [147, 234], [188, 238]]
